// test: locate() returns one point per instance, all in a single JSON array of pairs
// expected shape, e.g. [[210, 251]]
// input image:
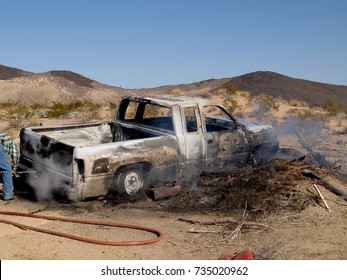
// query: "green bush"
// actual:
[[266, 102], [206, 95], [263, 107], [334, 107], [38, 106], [16, 114], [8, 104], [112, 106], [57, 110], [230, 89], [178, 91], [87, 110], [305, 114], [230, 104]]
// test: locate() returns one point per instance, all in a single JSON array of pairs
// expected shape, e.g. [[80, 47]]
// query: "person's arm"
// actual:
[[15, 156]]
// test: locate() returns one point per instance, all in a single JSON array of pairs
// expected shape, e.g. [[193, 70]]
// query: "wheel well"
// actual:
[[145, 167]]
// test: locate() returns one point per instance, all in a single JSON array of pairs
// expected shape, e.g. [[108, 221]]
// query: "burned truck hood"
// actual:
[[254, 127]]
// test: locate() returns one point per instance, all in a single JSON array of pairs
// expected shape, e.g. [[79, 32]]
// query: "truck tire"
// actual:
[[131, 180]]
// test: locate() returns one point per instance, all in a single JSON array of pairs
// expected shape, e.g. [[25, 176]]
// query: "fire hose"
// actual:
[[81, 221]]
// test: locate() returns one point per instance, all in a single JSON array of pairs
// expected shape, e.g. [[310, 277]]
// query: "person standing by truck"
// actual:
[[9, 159]]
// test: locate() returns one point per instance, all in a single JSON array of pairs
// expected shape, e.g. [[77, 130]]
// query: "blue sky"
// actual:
[[149, 43]]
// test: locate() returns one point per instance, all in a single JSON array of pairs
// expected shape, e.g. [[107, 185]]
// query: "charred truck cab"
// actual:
[[152, 138]]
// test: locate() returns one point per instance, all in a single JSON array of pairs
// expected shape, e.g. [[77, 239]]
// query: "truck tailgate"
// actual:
[[39, 151]]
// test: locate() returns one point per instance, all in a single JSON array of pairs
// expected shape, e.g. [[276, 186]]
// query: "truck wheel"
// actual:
[[130, 180]]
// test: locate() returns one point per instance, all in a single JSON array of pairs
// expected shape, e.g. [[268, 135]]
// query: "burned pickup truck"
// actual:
[[158, 138]]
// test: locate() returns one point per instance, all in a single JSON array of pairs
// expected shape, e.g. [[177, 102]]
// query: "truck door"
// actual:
[[227, 144], [195, 150]]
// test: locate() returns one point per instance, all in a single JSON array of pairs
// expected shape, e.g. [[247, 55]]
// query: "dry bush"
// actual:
[[112, 106], [206, 95], [334, 107], [245, 94], [230, 104], [263, 107], [89, 111], [86, 110], [306, 114], [294, 103], [265, 102], [220, 91], [177, 91], [17, 115]]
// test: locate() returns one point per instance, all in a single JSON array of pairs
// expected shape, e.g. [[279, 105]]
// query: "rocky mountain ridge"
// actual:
[[63, 86]]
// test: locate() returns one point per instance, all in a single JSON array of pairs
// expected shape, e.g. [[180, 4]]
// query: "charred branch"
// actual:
[[319, 159], [326, 182], [163, 192]]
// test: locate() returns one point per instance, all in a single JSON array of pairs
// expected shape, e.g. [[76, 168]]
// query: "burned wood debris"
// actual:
[[163, 192], [330, 182], [277, 186]]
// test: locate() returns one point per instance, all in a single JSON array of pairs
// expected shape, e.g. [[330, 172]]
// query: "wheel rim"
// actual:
[[133, 182]]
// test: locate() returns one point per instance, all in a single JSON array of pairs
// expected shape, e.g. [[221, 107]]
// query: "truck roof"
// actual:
[[170, 100]]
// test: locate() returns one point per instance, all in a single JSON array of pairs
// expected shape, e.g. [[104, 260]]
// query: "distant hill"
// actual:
[[73, 77], [65, 86], [53, 86], [7, 73], [287, 88]]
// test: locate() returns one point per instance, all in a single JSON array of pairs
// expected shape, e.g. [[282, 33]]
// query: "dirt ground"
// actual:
[[272, 209]]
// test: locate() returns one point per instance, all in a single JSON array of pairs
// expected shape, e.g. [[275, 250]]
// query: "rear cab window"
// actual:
[[148, 114]]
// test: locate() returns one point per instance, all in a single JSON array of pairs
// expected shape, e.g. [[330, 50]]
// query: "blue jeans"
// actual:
[[6, 172]]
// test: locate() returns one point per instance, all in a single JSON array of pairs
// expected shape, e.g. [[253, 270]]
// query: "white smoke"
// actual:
[[44, 183], [312, 130]]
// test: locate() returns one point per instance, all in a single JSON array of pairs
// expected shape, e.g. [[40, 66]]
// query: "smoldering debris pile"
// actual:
[[278, 185]]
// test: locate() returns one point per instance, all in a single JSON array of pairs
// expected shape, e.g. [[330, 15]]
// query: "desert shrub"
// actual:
[[87, 110], [334, 107], [17, 115], [206, 95], [295, 103], [57, 110], [112, 106], [178, 91], [230, 104], [306, 114], [221, 91], [267, 102], [230, 90], [153, 111], [227, 90], [262, 107], [245, 94], [38, 106], [5, 105], [39, 109]]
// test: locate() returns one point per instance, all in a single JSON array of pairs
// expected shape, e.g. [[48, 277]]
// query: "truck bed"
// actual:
[[92, 134]]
